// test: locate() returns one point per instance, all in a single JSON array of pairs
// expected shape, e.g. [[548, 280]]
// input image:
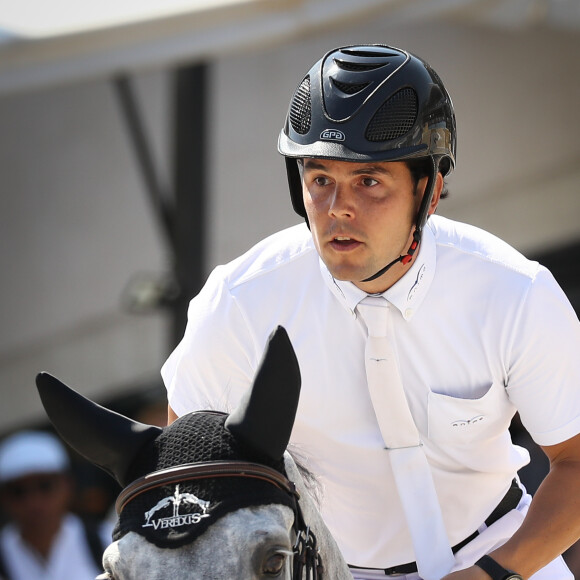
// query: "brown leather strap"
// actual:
[[203, 470]]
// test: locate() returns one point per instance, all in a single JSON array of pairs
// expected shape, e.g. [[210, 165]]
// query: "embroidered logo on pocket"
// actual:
[[466, 422]]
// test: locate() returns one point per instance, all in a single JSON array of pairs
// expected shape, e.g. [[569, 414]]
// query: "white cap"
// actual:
[[31, 452]]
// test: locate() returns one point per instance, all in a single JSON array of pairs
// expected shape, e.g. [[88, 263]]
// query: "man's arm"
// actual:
[[552, 523], [171, 415]]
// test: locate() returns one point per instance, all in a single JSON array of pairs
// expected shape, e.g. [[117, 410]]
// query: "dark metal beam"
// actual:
[[190, 183], [158, 195], [181, 212]]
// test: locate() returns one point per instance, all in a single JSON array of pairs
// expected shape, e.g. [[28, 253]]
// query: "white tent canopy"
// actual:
[[67, 41], [43, 43]]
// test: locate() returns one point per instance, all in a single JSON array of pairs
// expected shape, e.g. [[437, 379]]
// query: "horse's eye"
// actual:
[[274, 564]]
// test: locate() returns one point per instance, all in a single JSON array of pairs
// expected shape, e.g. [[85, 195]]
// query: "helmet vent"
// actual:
[[395, 117], [381, 53], [349, 88], [301, 108], [358, 66]]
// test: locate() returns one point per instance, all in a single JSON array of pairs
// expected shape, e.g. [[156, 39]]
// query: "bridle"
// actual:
[[307, 564]]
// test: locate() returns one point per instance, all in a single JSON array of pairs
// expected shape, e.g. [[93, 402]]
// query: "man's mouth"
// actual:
[[343, 242]]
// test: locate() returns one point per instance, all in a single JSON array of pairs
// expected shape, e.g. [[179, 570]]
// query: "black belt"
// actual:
[[509, 502]]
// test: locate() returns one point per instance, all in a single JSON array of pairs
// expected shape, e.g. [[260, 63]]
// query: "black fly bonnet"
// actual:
[[180, 479], [185, 502]]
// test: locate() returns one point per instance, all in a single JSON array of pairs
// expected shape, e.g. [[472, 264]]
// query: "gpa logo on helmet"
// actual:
[[332, 135]]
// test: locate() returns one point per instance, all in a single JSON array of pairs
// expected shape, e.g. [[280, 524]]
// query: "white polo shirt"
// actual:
[[480, 332]]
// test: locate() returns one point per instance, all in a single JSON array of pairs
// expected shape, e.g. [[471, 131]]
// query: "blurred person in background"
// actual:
[[43, 539]]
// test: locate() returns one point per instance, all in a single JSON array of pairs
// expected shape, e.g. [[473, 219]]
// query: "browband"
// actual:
[[202, 470]]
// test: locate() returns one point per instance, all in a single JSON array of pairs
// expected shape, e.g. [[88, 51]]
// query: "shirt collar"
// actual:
[[406, 295]]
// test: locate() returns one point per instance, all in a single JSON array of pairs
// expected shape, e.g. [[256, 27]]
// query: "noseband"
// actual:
[[307, 564]]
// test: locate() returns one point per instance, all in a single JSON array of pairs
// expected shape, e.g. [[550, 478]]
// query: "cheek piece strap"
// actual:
[[422, 215]]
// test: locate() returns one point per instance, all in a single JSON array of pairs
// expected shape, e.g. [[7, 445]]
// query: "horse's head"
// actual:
[[205, 497]]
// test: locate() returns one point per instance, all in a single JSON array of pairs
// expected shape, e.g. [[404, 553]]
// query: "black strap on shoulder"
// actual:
[[3, 571], [94, 542]]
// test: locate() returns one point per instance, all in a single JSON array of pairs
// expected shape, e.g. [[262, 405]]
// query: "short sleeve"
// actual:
[[214, 362], [544, 373]]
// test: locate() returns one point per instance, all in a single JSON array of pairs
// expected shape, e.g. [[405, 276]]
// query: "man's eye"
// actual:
[[369, 181], [321, 181]]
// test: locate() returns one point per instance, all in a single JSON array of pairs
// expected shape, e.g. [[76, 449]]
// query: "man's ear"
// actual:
[[436, 194]]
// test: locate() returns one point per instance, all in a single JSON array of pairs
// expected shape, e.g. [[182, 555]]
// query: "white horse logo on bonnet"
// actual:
[[177, 520]]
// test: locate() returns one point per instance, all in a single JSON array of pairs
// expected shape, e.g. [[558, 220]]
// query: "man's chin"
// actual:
[[346, 274]]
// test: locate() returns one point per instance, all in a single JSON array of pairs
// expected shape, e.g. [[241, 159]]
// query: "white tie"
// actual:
[[403, 443]]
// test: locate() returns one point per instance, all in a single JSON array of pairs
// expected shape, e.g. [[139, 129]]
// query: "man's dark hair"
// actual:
[[421, 167]]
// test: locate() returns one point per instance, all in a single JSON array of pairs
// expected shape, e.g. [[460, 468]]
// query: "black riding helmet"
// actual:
[[368, 103]]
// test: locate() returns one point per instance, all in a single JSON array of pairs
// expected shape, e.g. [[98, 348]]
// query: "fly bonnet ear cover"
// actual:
[[173, 515]]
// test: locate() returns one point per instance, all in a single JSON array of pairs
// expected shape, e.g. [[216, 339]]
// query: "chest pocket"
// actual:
[[473, 433], [457, 421]]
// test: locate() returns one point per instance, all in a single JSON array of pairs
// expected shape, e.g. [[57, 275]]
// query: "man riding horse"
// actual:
[[411, 442]]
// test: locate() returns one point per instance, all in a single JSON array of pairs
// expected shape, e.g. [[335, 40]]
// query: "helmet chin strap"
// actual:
[[422, 216], [405, 259]]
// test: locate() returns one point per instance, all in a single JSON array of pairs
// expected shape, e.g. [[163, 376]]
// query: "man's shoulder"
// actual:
[[469, 242], [282, 253]]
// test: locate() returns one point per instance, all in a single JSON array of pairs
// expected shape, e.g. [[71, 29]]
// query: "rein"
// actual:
[[307, 563]]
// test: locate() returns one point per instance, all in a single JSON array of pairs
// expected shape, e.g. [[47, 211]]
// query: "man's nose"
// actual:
[[341, 203]]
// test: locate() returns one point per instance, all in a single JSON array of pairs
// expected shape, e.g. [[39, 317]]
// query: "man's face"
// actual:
[[361, 216], [36, 501]]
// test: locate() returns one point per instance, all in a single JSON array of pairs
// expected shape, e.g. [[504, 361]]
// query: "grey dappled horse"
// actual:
[[210, 496]]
